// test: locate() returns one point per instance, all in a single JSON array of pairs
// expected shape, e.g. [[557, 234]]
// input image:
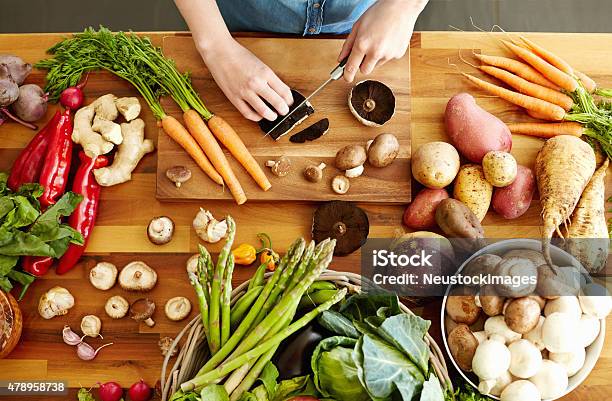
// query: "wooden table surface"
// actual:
[[125, 211]]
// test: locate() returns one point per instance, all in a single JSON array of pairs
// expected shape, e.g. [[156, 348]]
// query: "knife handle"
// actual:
[[339, 70]]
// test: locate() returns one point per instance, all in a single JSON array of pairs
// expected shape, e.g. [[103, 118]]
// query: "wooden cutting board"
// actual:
[[303, 64]]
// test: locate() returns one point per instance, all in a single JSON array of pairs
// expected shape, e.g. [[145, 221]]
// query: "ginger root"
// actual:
[[129, 153], [83, 133], [129, 107], [109, 130]]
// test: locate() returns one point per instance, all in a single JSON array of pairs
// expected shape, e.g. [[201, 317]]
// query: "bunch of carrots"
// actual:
[[548, 88], [138, 61]]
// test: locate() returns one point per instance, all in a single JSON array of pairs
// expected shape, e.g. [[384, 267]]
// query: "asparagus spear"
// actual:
[[312, 253], [202, 303], [242, 306], [247, 322], [215, 291], [259, 276], [227, 295], [229, 366], [205, 271]]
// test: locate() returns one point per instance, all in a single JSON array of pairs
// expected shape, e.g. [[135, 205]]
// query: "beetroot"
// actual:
[[18, 69], [31, 104]]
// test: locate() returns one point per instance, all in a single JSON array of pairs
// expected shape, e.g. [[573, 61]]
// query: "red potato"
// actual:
[[513, 201], [473, 130], [421, 213]]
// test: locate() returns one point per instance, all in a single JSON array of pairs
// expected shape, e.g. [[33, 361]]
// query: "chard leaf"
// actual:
[[338, 324], [5, 284], [22, 243], [406, 332], [268, 378], [297, 386], [360, 306], [49, 220], [3, 180], [386, 369], [7, 263]]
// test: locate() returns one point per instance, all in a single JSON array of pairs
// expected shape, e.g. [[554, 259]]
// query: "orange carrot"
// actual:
[[529, 88], [589, 84], [549, 71], [200, 132], [547, 130], [542, 107], [175, 130], [549, 56], [230, 139], [523, 70], [538, 116]]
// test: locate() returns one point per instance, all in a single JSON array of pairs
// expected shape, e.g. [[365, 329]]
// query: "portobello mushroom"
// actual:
[[372, 103], [315, 131], [343, 221], [293, 120]]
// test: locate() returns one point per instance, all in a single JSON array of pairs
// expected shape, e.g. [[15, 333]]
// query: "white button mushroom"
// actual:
[[525, 359], [595, 301], [559, 332], [480, 336], [55, 302], [491, 360], [521, 390], [496, 386], [588, 327], [137, 276], [497, 325], [551, 380], [103, 276], [565, 304], [116, 307], [571, 361], [177, 308], [535, 335]]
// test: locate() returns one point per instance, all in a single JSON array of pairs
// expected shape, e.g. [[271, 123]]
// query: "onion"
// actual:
[[110, 391], [139, 391]]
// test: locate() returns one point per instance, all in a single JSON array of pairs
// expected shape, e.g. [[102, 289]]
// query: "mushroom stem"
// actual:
[[369, 105], [340, 228], [149, 322]]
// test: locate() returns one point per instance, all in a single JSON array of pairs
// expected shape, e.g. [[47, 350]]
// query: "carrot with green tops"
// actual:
[[175, 130], [232, 141], [547, 130], [589, 84], [200, 132], [516, 67], [529, 88], [542, 107], [551, 72]]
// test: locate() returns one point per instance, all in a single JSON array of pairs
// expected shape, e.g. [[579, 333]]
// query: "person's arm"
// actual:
[[243, 78], [381, 34]]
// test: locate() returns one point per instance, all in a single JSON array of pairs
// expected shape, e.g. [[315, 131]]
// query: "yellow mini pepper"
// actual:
[[244, 254]]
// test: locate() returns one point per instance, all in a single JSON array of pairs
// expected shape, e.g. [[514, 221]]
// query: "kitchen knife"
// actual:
[[334, 75]]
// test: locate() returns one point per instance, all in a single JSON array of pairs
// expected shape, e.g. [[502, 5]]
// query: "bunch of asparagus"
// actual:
[[244, 338]]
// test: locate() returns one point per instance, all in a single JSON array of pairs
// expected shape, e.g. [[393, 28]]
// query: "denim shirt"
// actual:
[[305, 17]]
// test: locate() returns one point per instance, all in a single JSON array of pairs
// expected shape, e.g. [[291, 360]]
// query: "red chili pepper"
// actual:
[[30, 161], [84, 216], [54, 174], [36, 265]]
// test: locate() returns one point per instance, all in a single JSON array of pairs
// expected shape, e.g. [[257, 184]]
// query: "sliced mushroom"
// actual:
[[116, 307], [164, 346], [314, 173], [343, 221], [160, 230], [103, 275], [315, 131], [280, 167], [340, 184], [137, 276], [292, 121], [177, 308], [372, 103], [178, 175], [141, 310]]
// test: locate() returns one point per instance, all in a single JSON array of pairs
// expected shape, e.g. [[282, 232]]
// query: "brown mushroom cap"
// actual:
[[462, 308], [382, 150], [462, 344], [372, 103], [292, 121], [178, 175], [491, 303], [141, 310], [280, 167], [314, 173], [343, 221], [350, 156], [522, 314], [160, 230]]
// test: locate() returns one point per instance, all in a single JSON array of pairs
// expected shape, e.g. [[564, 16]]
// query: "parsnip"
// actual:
[[588, 238], [563, 168]]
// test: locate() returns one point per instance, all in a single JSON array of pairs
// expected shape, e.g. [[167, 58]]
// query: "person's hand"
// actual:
[[381, 34], [246, 80]]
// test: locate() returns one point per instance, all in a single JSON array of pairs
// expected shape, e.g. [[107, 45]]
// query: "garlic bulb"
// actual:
[[55, 302], [208, 228]]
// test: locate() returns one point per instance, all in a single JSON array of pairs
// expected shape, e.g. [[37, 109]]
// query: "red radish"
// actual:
[[139, 391], [72, 98], [110, 391]]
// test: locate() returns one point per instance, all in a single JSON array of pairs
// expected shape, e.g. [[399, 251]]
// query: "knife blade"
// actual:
[[334, 75]]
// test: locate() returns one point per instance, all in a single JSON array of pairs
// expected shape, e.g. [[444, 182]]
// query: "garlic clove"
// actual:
[[70, 337], [86, 352], [215, 231]]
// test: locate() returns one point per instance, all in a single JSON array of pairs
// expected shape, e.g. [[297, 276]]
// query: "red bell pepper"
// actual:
[[36, 265], [54, 174], [30, 161], [84, 216]]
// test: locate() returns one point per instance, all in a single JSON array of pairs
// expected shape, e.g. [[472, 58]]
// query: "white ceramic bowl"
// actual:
[[561, 258]]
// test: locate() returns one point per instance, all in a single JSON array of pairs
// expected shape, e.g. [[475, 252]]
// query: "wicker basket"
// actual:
[[194, 353]]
